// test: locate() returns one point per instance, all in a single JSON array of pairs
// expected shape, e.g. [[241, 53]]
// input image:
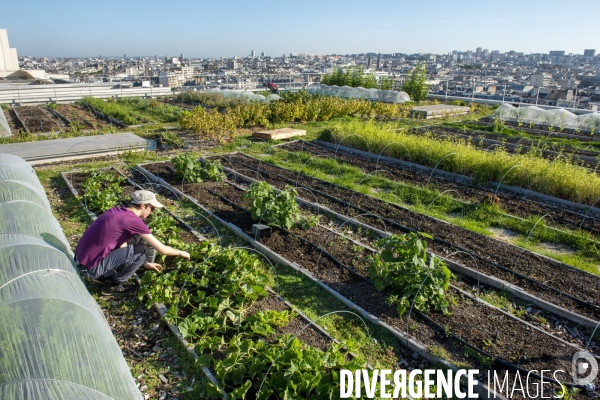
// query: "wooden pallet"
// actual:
[[278, 134]]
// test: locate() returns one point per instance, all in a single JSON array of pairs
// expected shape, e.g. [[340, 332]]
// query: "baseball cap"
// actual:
[[145, 197]]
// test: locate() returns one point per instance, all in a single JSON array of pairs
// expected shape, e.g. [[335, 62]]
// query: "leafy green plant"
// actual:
[[103, 190], [415, 84], [565, 393], [162, 225], [354, 77], [567, 180], [401, 267], [298, 372], [276, 208], [211, 299], [191, 169], [112, 109], [487, 362], [171, 139]]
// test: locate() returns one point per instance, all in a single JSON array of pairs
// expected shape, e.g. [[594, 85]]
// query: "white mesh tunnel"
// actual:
[[54, 340], [347, 92], [4, 127], [558, 117]]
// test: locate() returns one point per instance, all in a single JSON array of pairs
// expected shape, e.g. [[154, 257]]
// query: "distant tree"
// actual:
[[415, 85], [386, 84], [354, 77], [370, 82]]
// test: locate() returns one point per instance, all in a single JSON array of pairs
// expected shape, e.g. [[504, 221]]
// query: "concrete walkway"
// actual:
[[44, 151]]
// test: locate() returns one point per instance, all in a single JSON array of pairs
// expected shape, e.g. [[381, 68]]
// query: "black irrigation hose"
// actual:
[[110, 120], [500, 361], [439, 327], [420, 314], [437, 240], [471, 186]]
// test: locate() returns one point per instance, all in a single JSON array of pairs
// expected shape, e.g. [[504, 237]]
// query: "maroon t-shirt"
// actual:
[[113, 228]]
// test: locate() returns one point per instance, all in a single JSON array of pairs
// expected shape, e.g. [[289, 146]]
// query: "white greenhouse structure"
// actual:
[[55, 342]]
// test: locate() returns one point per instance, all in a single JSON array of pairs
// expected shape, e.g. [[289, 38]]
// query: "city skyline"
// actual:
[[350, 27]]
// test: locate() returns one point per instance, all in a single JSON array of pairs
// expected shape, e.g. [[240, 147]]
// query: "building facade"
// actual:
[[9, 61]]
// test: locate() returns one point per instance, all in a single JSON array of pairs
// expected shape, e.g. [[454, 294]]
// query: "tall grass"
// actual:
[[112, 109], [152, 108], [560, 178]]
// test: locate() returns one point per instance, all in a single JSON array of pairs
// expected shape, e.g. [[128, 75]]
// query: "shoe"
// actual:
[[116, 289]]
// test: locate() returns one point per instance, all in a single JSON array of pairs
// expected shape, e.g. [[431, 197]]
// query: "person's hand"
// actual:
[[153, 266], [184, 254], [123, 245]]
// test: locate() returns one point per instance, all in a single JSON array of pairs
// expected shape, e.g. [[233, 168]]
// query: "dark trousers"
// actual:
[[119, 265]]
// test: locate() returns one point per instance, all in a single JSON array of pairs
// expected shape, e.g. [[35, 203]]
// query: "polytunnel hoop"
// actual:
[[34, 272], [57, 380]]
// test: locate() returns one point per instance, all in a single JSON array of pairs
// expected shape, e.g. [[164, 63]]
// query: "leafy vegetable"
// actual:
[[401, 266], [276, 208], [191, 169], [103, 190], [211, 297]]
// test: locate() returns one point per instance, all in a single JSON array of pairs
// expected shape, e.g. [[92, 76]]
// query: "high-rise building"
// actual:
[[253, 53], [589, 52], [8, 56], [181, 58], [124, 56], [557, 53], [478, 52]]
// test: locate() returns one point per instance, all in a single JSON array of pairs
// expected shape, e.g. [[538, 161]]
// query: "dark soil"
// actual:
[[37, 120], [328, 270], [562, 216], [547, 278], [310, 335], [76, 114], [13, 121]]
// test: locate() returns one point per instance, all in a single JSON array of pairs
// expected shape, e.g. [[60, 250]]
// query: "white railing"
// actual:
[[26, 94]]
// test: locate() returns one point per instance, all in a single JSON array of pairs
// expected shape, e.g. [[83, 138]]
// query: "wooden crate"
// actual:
[[278, 134]]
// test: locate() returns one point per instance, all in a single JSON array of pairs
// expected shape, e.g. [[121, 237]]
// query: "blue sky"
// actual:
[[234, 28]]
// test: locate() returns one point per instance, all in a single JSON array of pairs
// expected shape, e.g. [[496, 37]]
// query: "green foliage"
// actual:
[[162, 225], [559, 177], [354, 77], [171, 139], [299, 372], [486, 361], [387, 83], [217, 288], [401, 267], [415, 84], [276, 208], [103, 190], [112, 109], [294, 107], [192, 169], [150, 108]]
